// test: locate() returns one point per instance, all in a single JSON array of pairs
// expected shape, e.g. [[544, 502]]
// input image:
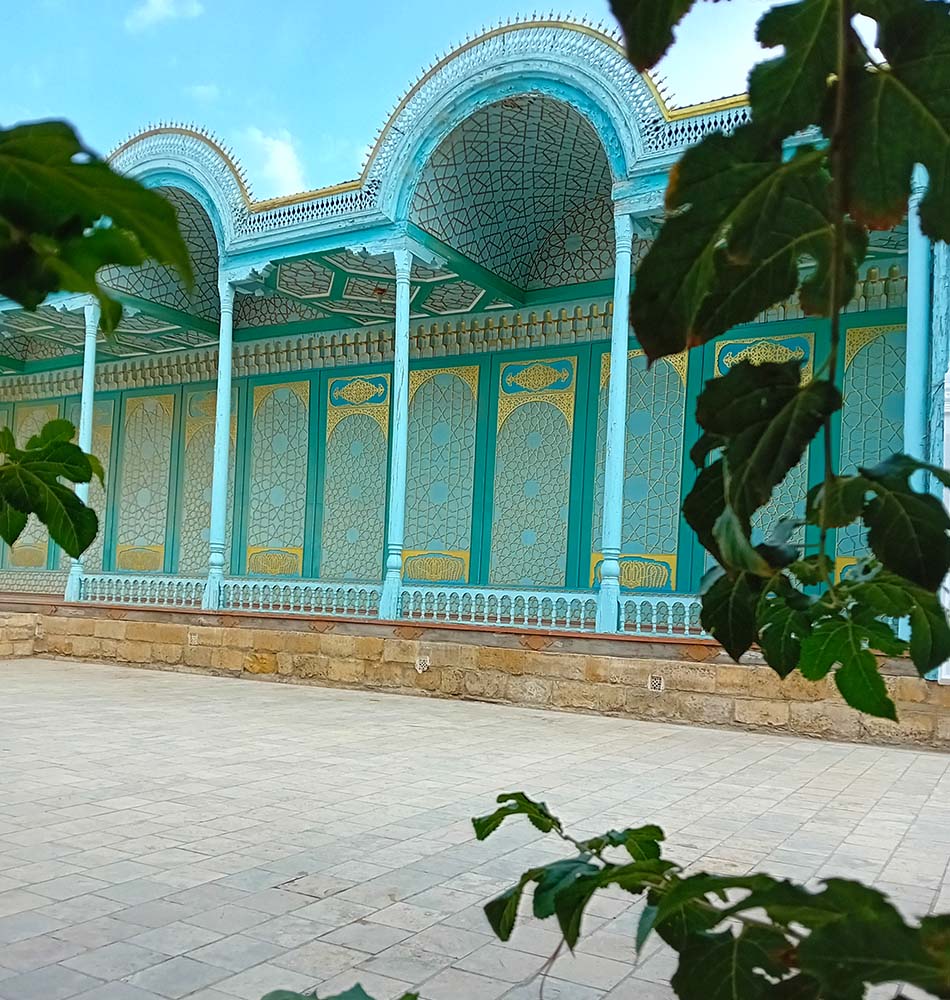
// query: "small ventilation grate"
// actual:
[[655, 683]]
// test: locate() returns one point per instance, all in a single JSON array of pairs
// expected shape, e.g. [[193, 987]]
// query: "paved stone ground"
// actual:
[[167, 836]]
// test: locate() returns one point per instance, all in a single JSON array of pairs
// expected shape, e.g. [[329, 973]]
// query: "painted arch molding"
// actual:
[[567, 61]]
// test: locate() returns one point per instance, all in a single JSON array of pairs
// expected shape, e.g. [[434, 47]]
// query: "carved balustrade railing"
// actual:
[[649, 614], [150, 591], [354, 600], [541, 609], [662, 615]]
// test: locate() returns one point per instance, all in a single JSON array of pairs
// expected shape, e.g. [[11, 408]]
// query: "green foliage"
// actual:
[[30, 484], [354, 993], [758, 421], [754, 219], [64, 213], [747, 937]]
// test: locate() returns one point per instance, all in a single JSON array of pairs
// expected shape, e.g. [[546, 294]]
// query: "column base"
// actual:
[[211, 599], [608, 607], [390, 599], [74, 582]]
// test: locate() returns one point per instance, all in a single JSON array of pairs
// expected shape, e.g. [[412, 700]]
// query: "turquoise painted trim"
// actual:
[[313, 513], [515, 78], [208, 199], [269, 249], [690, 555], [917, 366], [242, 447], [175, 476], [597, 353], [581, 353], [577, 567], [112, 482], [481, 513], [467, 269], [249, 383], [588, 290]]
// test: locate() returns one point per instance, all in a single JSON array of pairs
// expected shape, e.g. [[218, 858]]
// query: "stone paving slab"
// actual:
[[166, 836]]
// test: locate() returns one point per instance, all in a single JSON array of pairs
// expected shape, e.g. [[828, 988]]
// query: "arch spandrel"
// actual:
[[571, 63], [184, 158]]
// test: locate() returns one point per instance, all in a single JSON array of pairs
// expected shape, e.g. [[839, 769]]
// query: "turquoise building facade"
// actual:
[[416, 395]]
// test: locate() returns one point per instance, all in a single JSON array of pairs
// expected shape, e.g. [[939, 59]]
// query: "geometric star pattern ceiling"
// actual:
[[508, 179], [162, 284], [53, 334]]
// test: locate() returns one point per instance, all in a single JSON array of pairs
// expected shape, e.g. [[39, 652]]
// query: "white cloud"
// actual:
[[206, 93], [151, 12], [273, 163]]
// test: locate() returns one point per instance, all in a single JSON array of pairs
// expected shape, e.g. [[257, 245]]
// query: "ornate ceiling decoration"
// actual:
[[163, 285], [505, 179]]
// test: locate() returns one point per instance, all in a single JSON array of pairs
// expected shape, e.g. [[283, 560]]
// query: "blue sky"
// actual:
[[297, 88]]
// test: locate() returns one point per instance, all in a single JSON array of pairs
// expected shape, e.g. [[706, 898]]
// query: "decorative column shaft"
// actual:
[[222, 452], [91, 314], [389, 604], [917, 369], [608, 600]]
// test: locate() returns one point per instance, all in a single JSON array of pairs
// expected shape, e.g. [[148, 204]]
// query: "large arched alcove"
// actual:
[[522, 188]]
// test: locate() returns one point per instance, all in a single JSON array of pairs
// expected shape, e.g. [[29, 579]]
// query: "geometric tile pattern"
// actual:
[[580, 247], [443, 416], [143, 497], [532, 488], [305, 279], [506, 177], [655, 413], [872, 418], [354, 498], [277, 481], [456, 297], [271, 310]]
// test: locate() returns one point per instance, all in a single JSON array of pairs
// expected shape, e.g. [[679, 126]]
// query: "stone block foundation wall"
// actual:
[[671, 681]]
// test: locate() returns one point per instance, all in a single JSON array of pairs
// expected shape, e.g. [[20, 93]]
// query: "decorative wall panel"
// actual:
[[443, 411], [872, 418], [32, 547], [198, 454], [532, 483], [277, 483], [653, 455], [788, 500], [355, 472], [103, 415], [143, 501]]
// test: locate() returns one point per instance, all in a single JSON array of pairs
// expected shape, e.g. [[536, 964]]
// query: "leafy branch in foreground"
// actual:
[[751, 936], [30, 484], [353, 993], [64, 214], [782, 206]]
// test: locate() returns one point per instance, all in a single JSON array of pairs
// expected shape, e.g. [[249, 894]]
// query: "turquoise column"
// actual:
[[91, 314], [396, 526], [222, 450], [608, 599], [917, 381]]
